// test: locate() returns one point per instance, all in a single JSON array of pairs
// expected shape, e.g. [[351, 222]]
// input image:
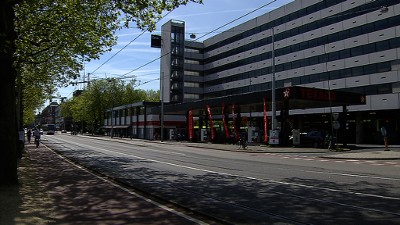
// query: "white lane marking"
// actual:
[[352, 175], [248, 177], [147, 149], [133, 193]]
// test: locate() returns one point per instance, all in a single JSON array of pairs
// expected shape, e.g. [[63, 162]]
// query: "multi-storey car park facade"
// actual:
[[327, 47]]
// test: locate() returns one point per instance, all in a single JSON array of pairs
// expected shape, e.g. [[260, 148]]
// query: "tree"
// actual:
[[45, 42], [89, 107]]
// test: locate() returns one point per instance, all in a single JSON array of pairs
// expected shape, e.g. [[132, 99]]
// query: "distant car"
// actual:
[[63, 131], [41, 131], [313, 138]]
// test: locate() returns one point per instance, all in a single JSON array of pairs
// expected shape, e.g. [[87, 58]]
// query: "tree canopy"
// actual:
[[43, 45], [102, 94]]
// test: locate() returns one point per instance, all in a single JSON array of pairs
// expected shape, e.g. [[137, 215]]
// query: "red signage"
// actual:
[[211, 123], [224, 122], [265, 122], [190, 125], [234, 124], [317, 94]]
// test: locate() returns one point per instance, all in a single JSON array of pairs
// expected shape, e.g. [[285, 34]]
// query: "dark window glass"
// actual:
[[356, 31], [356, 51], [324, 76], [371, 90], [334, 75], [313, 60], [304, 62], [384, 89], [287, 66], [345, 73], [380, 24], [383, 67], [395, 43], [295, 80], [296, 64], [370, 69], [333, 56], [305, 79], [357, 71], [279, 84], [279, 68], [369, 48], [368, 28], [345, 54], [383, 45], [314, 78]]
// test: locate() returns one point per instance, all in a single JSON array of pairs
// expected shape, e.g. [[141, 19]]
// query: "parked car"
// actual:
[[313, 139]]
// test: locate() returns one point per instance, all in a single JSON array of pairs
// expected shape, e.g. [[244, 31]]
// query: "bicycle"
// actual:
[[242, 144]]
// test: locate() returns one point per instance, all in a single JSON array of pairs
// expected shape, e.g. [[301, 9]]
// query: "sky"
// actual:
[[135, 59]]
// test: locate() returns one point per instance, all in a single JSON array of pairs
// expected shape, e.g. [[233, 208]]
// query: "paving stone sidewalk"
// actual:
[[53, 191]]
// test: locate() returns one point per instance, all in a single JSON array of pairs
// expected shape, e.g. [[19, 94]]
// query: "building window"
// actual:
[[191, 61], [192, 73], [191, 84], [191, 96]]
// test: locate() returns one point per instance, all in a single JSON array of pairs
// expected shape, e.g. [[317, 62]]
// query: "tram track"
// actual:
[[149, 188]]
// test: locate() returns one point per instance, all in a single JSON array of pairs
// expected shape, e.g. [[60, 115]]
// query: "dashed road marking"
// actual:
[[354, 161]]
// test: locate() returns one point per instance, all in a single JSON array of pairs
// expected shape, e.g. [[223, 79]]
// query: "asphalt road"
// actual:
[[244, 188]]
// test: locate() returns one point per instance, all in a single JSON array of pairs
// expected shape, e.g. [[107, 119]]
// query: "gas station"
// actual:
[[222, 119]]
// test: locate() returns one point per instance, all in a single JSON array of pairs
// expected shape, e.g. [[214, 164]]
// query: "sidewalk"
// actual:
[[54, 191], [364, 152]]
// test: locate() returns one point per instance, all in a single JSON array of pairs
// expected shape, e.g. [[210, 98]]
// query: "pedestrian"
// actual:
[[385, 138], [29, 135], [36, 133]]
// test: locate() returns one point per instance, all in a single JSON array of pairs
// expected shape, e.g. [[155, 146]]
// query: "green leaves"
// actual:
[[55, 38], [102, 95]]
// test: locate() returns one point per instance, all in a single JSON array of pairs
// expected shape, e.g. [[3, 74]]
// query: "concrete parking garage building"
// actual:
[[345, 46]]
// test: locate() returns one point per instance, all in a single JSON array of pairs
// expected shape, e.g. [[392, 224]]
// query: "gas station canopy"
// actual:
[[296, 98]]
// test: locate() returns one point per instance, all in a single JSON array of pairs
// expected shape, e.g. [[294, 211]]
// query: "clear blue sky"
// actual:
[[199, 19]]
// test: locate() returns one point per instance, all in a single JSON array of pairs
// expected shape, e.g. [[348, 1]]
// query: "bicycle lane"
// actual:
[[64, 193]]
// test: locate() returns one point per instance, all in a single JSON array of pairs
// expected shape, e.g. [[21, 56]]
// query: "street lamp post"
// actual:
[[162, 108], [273, 88]]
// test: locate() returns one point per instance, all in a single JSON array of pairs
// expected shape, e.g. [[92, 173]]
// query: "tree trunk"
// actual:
[[8, 120]]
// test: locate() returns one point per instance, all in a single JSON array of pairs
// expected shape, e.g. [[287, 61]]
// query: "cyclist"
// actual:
[[242, 143]]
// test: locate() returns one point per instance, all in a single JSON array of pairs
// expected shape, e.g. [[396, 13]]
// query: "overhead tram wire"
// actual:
[[119, 51], [128, 44], [207, 33]]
